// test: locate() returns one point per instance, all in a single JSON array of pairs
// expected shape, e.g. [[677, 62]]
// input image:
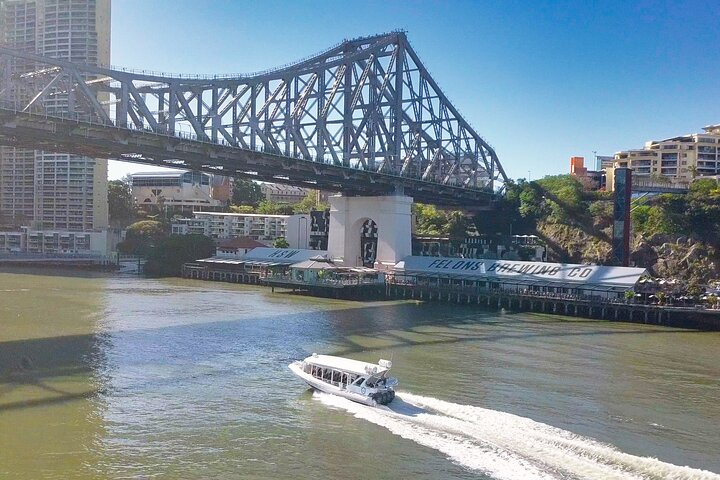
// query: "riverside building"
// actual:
[[176, 192], [278, 193], [54, 191], [518, 277], [677, 159], [56, 242], [257, 226]]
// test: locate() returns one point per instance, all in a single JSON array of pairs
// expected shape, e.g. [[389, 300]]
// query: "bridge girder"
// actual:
[[366, 105]]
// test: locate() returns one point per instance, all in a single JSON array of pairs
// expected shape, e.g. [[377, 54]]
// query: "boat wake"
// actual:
[[506, 446]]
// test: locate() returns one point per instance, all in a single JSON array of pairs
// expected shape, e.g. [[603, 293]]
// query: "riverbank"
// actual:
[[566, 305], [592, 307]]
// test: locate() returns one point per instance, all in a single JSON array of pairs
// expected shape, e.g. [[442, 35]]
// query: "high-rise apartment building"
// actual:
[[45, 190], [678, 159]]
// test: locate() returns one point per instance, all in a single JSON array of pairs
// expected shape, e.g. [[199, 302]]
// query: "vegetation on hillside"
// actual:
[[672, 235]]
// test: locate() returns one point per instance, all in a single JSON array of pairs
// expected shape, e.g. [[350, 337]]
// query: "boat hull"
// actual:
[[296, 368]]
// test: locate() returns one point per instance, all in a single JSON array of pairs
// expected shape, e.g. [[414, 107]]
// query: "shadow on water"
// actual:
[[34, 363], [58, 271]]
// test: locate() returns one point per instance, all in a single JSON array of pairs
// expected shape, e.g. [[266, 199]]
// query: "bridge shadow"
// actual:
[[523, 328], [57, 271], [36, 364]]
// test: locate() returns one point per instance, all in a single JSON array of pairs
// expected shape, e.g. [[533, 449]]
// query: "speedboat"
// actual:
[[361, 382]]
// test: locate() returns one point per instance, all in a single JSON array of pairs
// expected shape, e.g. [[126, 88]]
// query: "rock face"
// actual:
[[681, 257], [570, 244]]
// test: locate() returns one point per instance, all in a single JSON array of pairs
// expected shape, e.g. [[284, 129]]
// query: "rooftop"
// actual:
[[172, 174], [227, 214], [240, 242], [345, 364]]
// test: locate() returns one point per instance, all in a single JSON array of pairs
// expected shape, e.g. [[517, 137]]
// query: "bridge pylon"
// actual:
[[372, 232]]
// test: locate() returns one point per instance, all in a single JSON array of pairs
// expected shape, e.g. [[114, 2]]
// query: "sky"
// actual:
[[540, 81]]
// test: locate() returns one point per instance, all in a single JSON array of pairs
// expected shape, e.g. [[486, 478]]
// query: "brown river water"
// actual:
[[122, 377]]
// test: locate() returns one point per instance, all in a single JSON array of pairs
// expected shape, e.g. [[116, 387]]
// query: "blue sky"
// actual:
[[541, 81]]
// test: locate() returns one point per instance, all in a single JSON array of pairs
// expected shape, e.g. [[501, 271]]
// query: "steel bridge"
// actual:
[[363, 118]]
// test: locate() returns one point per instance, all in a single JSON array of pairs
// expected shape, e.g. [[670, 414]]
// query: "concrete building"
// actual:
[[180, 191], [677, 159], [275, 192], [56, 242], [51, 191], [604, 161], [592, 179], [263, 228]]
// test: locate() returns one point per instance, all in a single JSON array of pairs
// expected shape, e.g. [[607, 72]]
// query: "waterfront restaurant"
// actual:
[[258, 262], [322, 271], [517, 276]]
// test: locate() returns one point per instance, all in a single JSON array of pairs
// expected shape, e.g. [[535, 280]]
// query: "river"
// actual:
[[122, 377]]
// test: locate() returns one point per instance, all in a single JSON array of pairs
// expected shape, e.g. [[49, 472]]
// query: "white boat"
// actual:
[[358, 381]]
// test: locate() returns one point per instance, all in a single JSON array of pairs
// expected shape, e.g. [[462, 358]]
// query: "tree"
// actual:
[[167, 256], [121, 208], [310, 203], [141, 236], [281, 243], [457, 226], [242, 209], [146, 228], [271, 208], [430, 220], [246, 192]]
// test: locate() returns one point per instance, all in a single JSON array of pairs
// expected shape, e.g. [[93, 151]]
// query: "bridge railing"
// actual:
[[640, 183]]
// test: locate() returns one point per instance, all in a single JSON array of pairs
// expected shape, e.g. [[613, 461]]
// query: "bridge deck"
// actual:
[[73, 136]]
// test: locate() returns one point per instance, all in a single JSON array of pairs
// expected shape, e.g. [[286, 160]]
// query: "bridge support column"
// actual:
[[359, 225]]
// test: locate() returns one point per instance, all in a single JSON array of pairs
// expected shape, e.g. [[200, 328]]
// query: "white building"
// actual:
[[178, 191], [55, 191], [56, 242], [275, 192], [516, 276], [263, 228], [678, 159]]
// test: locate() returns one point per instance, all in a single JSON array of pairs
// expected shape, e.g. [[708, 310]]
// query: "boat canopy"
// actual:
[[355, 367]]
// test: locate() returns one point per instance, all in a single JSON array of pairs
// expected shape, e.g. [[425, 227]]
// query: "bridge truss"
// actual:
[[363, 117]]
